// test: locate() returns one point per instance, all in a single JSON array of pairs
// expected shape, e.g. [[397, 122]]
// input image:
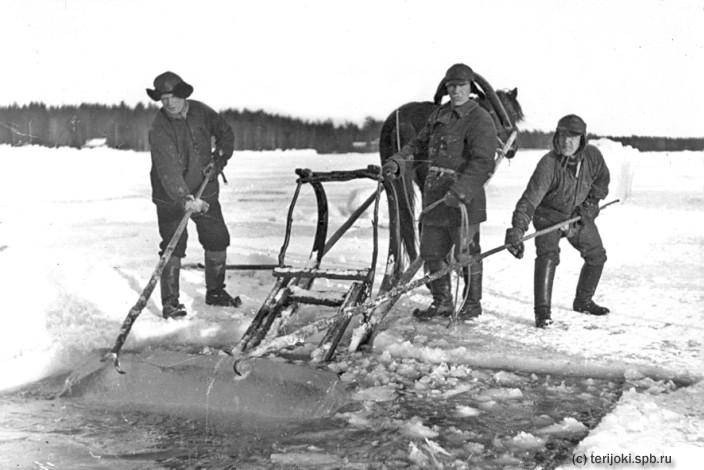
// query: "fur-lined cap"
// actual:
[[572, 125]]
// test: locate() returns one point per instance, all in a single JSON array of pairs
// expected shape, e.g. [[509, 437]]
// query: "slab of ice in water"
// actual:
[[200, 384]]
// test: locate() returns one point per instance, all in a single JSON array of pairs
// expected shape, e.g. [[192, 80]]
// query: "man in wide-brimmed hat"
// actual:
[[568, 181], [180, 140], [460, 138]]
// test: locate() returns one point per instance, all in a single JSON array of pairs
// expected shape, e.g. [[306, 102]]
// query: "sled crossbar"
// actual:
[[339, 274], [308, 176], [238, 267]]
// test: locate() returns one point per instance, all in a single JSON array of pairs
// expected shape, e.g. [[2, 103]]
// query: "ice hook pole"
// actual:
[[552, 228], [147, 292], [369, 306]]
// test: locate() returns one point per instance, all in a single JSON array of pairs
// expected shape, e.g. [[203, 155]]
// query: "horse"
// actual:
[[405, 122]]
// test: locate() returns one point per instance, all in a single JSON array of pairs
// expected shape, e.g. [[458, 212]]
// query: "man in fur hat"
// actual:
[[568, 181], [180, 139]]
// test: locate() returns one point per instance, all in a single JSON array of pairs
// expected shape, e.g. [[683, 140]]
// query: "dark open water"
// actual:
[[481, 419]]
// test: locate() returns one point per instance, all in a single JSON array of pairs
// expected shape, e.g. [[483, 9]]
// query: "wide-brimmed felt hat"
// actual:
[[169, 82]]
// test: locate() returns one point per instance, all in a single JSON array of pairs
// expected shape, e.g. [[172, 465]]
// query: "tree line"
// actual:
[[127, 127], [543, 140], [661, 144]]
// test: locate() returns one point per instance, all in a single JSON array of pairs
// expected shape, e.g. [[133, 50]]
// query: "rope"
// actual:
[[463, 253], [398, 131]]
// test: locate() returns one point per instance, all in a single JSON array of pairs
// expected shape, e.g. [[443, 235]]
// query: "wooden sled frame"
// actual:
[[293, 285]]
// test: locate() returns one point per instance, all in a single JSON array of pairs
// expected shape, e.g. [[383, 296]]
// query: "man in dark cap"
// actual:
[[180, 138], [461, 140], [568, 181]]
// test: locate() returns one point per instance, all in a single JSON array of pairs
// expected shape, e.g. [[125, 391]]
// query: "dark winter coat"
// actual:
[[182, 148], [462, 139], [558, 186]]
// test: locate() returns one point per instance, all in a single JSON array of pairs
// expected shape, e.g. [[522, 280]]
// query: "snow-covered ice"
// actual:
[[78, 241]]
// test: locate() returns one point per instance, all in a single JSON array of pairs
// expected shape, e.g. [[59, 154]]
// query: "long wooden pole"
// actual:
[[149, 288], [392, 295]]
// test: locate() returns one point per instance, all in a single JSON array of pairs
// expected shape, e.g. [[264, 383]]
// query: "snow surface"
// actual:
[[78, 242]]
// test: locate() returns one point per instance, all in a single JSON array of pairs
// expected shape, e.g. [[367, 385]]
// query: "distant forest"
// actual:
[[125, 127]]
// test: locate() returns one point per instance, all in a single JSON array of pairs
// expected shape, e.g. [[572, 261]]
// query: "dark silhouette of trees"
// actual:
[[125, 127], [543, 140], [661, 144], [534, 139]]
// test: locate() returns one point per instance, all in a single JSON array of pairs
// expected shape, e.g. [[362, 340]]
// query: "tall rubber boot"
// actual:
[[472, 307], [586, 286], [442, 305], [215, 268], [169, 284], [542, 291]]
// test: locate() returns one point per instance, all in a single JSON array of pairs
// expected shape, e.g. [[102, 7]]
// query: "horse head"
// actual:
[[514, 112], [509, 100]]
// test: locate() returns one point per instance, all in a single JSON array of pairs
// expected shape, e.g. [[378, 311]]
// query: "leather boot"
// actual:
[[588, 281], [215, 268], [542, 284], [472, 307], [442, 305], [169, 284]]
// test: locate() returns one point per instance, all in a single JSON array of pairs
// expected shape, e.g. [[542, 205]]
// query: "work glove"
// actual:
[[513, 240], [198, 206], [452, 199], [219, 160], [588, 210], [392, 166]]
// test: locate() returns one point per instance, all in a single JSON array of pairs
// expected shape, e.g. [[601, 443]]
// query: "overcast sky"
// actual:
[[628, 67]]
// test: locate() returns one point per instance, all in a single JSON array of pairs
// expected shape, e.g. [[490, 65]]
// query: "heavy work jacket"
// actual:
[[557, 187], [461, 139], [182, 148]]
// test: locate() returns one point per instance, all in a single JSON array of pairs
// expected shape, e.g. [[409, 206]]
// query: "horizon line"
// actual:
[[335, 121]]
